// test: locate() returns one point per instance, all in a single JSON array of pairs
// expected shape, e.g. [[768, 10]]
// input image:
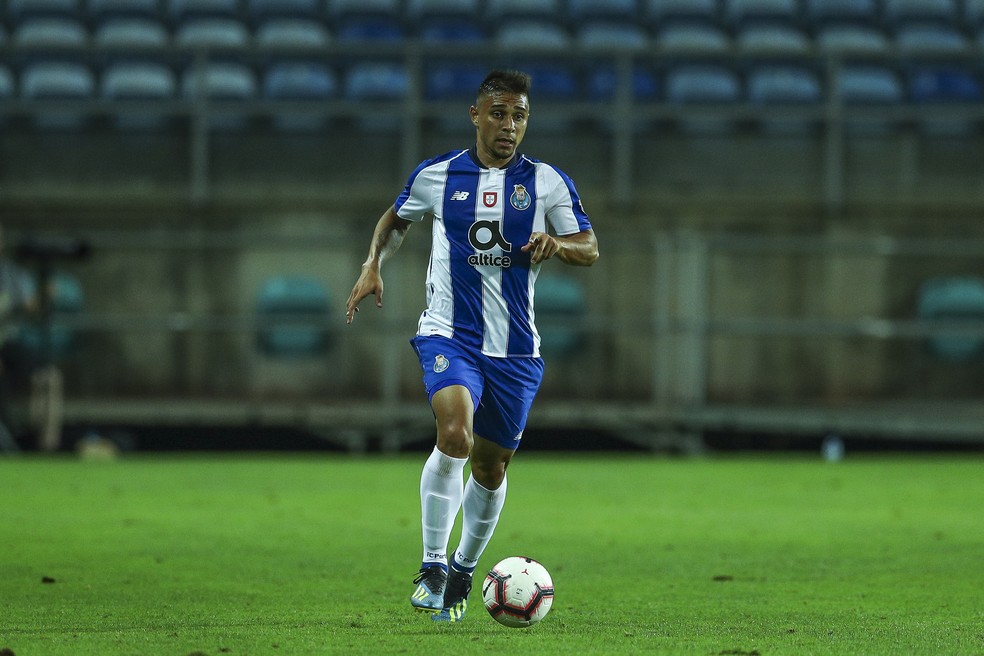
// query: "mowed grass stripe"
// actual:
[[314, 554]]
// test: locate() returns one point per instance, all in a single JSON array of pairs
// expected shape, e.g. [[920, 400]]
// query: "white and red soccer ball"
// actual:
[[518, 592]]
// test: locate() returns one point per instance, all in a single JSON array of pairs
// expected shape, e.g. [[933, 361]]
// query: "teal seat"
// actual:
[[953, 299], [293, 314], [560, 314], [67, 299]]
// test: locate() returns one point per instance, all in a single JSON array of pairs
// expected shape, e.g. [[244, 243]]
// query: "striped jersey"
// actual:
[[479, 282]]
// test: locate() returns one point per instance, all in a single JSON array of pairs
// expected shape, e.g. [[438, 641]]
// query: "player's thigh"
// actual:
[[453, 409]]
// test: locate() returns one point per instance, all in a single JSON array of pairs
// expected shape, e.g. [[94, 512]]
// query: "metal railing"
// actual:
[[658, 362]]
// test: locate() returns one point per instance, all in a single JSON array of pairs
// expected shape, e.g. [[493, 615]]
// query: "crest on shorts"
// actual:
[[520, 198], [440, 364]]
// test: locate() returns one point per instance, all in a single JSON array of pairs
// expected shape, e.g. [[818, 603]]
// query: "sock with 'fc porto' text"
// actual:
[[441, 490]]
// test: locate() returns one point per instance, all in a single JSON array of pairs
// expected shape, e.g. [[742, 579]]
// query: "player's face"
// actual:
[[500, 119]]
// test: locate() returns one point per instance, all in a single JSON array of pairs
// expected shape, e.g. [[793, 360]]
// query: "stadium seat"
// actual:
[[898, 12], [940, 84], [8, 90], [100, 10], [376, 82], [561, 312], [772, 39], [212, 33], [973, 16], [221, 81], [21, 10], [137, 33], [696, 38], [953, 299], [150, 82], [50, 33], [659, 12], [610, 36], [820, 12], [65, 81], [784, 85], [345, 9], [292, 33], [293, 314], [743, 12], [180, 11], [370, 29], [622, 11], [702, 83], [933, 85], [533, 34], [497, 10], [453, 31], [602, 84], [927, 38], [422, 11], [67, 300], [452, 81], [260, 11], [299, 81], [7, 87], [552, 81], [869, 84], [852, 38]]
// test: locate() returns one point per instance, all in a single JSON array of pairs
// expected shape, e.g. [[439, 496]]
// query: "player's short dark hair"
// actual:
[[509, 81]]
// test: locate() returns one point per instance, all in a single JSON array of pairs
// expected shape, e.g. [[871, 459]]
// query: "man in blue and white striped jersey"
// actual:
[[497, 215]]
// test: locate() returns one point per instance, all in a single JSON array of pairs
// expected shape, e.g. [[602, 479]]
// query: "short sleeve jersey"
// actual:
[[479, 283]]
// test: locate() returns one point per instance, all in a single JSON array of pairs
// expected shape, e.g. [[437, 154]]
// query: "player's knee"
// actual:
[[454, 440], [489, 473]]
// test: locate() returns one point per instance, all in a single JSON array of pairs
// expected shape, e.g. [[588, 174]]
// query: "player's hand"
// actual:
[[541, 246], [368, 284]]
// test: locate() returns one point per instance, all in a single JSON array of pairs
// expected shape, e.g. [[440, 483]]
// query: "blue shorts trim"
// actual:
[[502, 389]]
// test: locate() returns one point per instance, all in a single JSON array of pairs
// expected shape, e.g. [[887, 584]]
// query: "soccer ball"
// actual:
[[518, 592]]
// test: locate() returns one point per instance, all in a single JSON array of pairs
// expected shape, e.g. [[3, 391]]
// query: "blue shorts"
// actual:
[[502, 389]]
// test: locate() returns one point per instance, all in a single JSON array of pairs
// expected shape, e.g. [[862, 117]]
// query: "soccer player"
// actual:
[[497, 216]]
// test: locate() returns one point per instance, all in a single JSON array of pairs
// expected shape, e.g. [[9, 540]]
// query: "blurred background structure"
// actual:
[[788, 194]]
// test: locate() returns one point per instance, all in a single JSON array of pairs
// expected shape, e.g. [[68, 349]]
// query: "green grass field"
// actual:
[[314, 554]]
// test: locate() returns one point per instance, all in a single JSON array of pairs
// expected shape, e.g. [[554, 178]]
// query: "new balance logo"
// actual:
[[459, 195]]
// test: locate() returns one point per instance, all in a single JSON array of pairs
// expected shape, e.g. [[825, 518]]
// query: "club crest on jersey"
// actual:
[[441, 363], [490, 198], [520, 198]]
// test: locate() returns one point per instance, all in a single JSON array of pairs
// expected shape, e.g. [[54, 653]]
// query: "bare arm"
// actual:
[[579, 249], [386, 240]]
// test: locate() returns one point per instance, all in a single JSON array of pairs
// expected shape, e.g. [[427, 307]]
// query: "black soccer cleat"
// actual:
[[455, 597]]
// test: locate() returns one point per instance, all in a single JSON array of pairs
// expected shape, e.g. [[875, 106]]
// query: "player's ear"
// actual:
[[473, 114]]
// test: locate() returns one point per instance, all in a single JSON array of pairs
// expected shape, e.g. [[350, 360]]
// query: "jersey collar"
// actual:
[[473, 154]]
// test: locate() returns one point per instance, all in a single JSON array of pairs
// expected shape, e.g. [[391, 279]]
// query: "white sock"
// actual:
[[440, 499], [480, 513]]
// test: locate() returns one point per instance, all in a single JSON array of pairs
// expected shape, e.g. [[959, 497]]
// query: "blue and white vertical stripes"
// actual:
[[479, 283]]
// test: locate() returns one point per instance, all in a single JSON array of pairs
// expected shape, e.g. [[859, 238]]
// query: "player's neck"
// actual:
[[487, 161]]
